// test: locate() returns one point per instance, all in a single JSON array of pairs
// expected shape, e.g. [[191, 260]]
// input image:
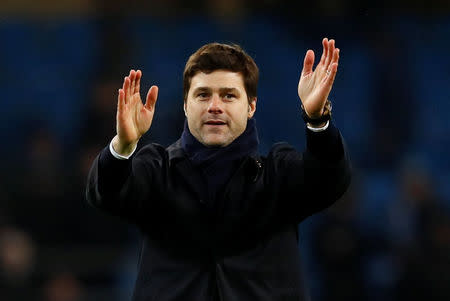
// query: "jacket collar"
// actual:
[[249, 139], [175, 151]]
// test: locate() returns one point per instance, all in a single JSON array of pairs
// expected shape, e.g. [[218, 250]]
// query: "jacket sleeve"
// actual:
[[313, 180], [121, 187]]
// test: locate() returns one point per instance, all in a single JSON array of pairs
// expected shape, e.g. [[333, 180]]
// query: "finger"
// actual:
[[152, 96], [324, 51], [329, 54], [123, 85], [336, 56], [137, 87], [126, 88], [133, 81], [331, 75], [334, 61], [120, 100], [308, 63]]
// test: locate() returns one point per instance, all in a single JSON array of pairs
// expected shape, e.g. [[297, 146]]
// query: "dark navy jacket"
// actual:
[[244, 249]]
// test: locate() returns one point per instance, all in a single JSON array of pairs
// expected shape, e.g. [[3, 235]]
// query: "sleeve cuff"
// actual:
[[119, 156], [321, 129]]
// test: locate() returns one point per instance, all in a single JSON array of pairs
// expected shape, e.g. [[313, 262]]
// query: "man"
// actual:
[[219, 220]]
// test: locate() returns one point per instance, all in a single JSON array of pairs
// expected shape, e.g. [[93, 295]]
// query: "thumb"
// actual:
[[152, 95], [308, 62]]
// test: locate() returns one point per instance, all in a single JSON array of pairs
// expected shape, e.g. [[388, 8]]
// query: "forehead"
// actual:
[[218, 79]]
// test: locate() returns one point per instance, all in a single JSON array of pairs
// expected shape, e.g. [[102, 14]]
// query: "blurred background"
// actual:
[[62, 62]]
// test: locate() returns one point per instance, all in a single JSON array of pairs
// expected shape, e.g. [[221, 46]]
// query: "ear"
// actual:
[[184, 108], [252, 107]]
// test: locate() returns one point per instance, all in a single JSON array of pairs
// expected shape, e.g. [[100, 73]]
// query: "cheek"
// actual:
[[241, 118], [194, 117], [191, 110]]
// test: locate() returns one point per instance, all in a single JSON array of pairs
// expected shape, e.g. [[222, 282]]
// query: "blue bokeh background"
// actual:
[[386, 240]]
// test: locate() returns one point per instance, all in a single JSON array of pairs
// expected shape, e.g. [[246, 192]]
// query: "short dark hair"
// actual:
[[218, 56]]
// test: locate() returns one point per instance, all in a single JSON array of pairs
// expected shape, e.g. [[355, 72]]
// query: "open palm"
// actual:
[[315, 86], [134, 118]]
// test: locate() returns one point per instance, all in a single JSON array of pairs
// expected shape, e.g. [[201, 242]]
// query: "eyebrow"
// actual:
[[202, 89], [227, 90], [221, 90]]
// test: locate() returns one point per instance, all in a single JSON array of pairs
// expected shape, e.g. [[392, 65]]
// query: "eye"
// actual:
[[230, 96], [202, 95]]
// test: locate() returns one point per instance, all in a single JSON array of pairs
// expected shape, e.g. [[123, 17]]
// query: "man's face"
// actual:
[[217, 107]]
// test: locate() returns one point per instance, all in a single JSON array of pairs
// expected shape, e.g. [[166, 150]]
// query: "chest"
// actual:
[[245, 206]]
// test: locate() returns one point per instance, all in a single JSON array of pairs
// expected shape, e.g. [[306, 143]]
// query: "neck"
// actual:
[[245, 144]]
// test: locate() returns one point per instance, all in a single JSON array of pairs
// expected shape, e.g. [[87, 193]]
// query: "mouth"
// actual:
[[215, 122]]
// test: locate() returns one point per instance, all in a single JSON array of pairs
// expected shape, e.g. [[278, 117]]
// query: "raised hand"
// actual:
[[315, 86], [133, 118]]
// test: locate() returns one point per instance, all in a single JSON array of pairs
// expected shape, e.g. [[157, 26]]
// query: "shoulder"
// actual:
[[151, 153], [158, 152], [282, 150], [151, 149], [281, 156]]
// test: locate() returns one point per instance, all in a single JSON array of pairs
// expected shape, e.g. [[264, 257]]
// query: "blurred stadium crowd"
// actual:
[[62, 62]]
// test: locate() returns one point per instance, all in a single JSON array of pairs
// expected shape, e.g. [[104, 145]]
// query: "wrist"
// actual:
[[317, 126], [318, 129], [123, 149], [320, 121]]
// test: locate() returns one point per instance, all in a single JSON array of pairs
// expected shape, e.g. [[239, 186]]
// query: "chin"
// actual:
[[215, 142]]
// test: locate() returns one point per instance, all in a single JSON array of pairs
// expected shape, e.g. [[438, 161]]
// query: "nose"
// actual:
[[215, 105]]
